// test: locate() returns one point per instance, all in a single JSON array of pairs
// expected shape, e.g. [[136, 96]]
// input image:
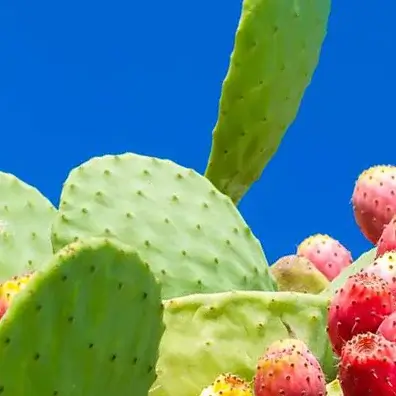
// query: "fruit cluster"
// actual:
[[361, 320]]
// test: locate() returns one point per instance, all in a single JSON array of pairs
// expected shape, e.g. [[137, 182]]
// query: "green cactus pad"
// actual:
[[25, 227], [192, 235], [89, 324], [227, 332], [294, 273], [334, 389], [277, 47], [362, 262]]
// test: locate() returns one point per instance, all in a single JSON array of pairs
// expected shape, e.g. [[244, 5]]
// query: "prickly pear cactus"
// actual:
[[362, 262], [192, 235], [294, 273], [208, 334], [89, 324], [25, 227], [277, 47]]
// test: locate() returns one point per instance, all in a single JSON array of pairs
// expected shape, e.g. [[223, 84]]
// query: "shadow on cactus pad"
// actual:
[[191, 234], [227, 332], [89, 324]]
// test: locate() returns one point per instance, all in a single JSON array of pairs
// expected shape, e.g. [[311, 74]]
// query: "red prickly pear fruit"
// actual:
[[388, 327], [385, 267], [359, 306], [228, 385], [326, 254], [288, 345], [387, 241], [374, 200], [289, 368], [9, 289], [368, 366]]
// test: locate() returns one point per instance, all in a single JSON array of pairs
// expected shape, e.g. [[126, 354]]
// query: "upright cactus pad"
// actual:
[[227, 332], [88, 324], [25, 227], [277, 47], [192, 235]]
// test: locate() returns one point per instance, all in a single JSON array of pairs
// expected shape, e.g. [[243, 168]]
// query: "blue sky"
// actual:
[[85, 78]]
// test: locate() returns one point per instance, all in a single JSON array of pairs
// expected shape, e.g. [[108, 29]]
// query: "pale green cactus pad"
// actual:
[[277, 48], [294, 273], [227, 332], [362, 262], [192, 235], [89, 324], [25, 227], [334, 389]]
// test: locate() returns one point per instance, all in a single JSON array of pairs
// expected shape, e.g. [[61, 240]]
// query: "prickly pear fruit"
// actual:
[[364, 261], [357, 307], [388, 327], [289, 345], [294, 273], [10, 288], [374, 200], [291, 370], [326, 253], [387, 241], [228, 385], [368, 366], [385, 267]]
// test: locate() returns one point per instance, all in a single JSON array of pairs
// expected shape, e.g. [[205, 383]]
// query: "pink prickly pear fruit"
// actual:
[[228, 385], [388, 327], [288, 345], [368, 366], [326, 254], [374, 200], [9, 289], [359, 306], [387, 241], [289, 368], [385, 267]]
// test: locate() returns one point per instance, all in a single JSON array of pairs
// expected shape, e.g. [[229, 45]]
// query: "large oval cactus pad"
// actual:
[[277, 48], [25, 227], [88, 325], [227, 332], [192, 235]]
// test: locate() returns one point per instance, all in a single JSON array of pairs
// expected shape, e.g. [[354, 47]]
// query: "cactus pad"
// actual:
[[227, 332], [334, 388], [25, 227], [277, 47], [88, 324], [362, 262], [192, 235]]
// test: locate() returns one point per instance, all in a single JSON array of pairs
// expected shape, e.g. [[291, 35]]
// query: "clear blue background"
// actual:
[[82, 78]]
